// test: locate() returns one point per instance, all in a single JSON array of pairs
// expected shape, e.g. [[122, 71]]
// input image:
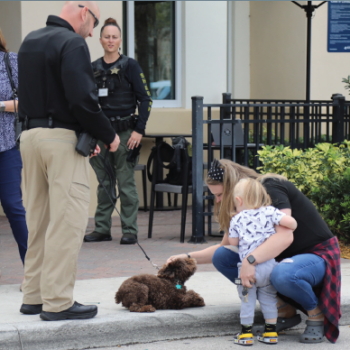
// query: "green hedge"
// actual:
[[322, 174]]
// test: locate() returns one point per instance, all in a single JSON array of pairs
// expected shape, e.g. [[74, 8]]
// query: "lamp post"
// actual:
[[309, 9]]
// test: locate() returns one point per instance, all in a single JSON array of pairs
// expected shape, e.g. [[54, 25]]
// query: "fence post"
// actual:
[[306, 125], [226, 97], [197, 170], [338, 118]]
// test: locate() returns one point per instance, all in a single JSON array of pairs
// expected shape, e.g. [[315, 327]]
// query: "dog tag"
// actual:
[[102, 92], [178, 286]]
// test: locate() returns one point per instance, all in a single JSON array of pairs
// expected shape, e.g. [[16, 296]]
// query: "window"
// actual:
[[152, 37]]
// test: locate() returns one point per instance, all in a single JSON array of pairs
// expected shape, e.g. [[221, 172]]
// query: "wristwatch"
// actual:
[[2, 107], [251, 259]]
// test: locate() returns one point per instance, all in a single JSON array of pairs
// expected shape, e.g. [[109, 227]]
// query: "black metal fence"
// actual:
[[244, 126]]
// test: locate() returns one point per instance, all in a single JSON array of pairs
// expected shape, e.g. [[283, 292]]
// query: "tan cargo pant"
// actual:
[[56, 180]]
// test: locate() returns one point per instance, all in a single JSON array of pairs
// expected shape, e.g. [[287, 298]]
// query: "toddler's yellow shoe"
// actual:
[[268, 338], [245, 339]]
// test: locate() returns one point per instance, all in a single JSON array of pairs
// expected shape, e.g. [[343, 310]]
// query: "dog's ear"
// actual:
[[192, 265], [167, 271], [187, 269], [181, 269]]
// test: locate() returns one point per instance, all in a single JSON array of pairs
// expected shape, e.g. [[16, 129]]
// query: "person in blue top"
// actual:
[[10, 157]]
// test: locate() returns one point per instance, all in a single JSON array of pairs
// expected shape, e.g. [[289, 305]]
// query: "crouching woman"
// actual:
[[308, 275]]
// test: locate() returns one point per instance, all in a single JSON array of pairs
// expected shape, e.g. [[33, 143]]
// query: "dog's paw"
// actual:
[[150, 308], [194, 299], [201, 302], [147, 308], [142, 308]]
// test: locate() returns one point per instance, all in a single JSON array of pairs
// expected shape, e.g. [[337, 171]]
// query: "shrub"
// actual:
[[322, 174]]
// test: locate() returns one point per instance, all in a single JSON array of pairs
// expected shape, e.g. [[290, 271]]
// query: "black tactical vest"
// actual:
[[120, 93]]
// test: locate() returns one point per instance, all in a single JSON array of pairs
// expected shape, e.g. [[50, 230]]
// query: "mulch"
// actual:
[[345, 250]]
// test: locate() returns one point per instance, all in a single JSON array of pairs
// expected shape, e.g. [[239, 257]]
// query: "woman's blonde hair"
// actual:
[[252, 192], [233, 172], [2, 43]]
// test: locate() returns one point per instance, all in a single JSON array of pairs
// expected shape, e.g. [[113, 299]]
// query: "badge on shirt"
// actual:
[[102, 92], [115, 70]]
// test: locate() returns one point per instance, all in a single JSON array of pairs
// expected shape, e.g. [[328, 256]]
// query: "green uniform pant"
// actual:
[[124, 172]]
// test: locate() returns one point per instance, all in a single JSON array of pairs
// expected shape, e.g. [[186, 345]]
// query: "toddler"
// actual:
[[252, 223]]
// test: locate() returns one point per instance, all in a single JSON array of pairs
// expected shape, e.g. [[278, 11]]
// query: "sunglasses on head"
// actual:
[[96, 20]]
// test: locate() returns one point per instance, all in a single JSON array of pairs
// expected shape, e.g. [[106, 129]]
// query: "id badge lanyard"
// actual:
[[103, 92]]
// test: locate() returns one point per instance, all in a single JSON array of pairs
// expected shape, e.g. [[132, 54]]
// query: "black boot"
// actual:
[[97, 237], [128, 238], [28, 309], [75, 312]]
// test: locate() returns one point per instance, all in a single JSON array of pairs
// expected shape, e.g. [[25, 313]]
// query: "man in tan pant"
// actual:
[[57, 103], [57, 205]]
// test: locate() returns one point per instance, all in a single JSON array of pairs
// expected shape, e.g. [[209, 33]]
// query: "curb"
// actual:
[[129, 328], [122, 329]]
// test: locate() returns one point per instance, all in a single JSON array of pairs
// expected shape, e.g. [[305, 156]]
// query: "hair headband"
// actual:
[[216, 172]]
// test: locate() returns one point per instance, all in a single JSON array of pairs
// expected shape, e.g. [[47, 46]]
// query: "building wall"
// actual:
[[10, 23], [327, 68], [278, 41], [277, 50], [205, 50], [238, 46], [34, 14]]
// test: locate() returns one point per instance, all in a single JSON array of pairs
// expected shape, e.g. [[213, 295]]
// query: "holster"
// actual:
[[123, 125]]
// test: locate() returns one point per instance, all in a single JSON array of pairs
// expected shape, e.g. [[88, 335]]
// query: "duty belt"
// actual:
[[31, 123], [120, 125]]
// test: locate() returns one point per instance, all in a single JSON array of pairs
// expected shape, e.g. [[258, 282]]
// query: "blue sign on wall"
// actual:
[[338, 26]]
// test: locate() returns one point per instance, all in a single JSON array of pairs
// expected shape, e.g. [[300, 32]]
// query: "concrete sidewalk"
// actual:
[[115, 325]]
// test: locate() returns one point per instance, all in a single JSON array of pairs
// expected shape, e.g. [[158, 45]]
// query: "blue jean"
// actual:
[[225, 261], [11, 197], [292, 279], [295, 279]]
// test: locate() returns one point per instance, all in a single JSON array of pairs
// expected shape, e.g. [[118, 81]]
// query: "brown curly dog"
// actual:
[[147, 293]]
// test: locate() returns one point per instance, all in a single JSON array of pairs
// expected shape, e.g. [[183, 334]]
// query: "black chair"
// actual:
[[142, 167], [184, 189]]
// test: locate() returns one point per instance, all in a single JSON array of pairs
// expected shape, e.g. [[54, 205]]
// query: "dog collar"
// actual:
[[178, 285]]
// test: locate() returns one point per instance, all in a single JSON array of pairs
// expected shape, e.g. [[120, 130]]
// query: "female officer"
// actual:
[[121, 87], [10, 158]]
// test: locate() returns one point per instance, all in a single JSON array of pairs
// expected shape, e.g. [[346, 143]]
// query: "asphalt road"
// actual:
[[287, 341]]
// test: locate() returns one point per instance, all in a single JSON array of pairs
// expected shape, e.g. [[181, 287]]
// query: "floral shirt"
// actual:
[[7, 119]]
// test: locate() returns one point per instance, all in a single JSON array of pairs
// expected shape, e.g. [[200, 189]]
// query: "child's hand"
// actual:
[[247, 274]]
